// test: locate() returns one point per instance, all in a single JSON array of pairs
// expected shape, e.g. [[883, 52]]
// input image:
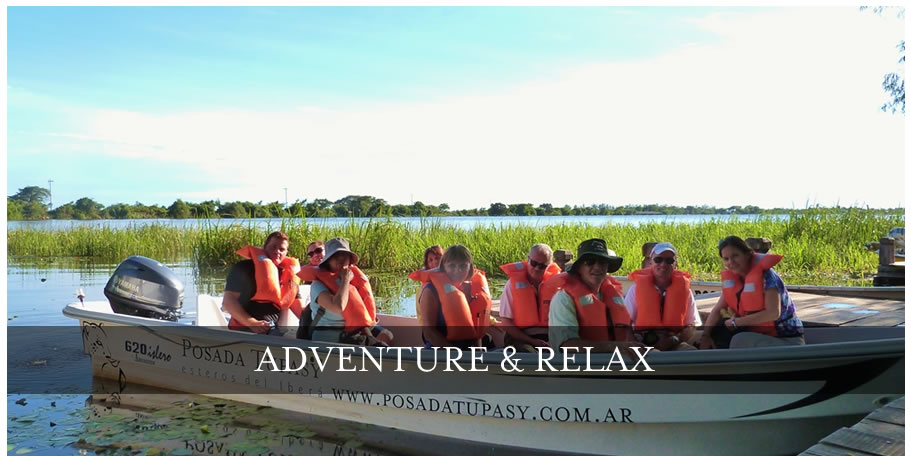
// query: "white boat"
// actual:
[[777, 400]]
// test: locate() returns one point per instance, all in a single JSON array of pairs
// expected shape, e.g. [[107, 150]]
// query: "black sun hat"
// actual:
[[597, 248]]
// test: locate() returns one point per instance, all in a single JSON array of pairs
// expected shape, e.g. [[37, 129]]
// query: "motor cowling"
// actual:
[[144, 287]]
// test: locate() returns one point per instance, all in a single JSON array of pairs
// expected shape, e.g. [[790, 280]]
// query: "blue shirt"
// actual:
[[788, 324], [329, 319]]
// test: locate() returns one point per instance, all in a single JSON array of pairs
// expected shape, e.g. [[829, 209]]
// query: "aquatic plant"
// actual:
[[821, 246]]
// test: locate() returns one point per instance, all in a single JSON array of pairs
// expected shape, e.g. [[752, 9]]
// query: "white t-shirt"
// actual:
[[691, 318], [506, 302]]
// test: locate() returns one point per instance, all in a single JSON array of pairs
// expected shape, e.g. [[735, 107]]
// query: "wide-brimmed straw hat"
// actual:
[[334, 246], [597, 248]]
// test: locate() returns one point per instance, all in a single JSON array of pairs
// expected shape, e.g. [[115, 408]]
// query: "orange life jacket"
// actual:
[[526, 305], [361, 308], [465, 319], [745, 295], [592, 313], [547, 290], [650, 312], [281, 292]]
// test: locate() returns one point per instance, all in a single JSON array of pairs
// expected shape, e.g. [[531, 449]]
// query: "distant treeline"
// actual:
[[31, 203]]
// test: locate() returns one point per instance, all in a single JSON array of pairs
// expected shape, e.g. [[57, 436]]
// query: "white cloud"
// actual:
[[781, 110]]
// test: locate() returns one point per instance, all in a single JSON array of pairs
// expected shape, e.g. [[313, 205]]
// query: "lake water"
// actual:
[[463, 222], [84, 423]]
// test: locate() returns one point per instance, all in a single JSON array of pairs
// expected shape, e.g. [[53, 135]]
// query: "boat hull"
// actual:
[[762, 401]]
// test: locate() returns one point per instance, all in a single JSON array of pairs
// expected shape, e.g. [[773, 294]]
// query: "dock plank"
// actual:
[[829, 450], [873, 444], [883, 429], [888, 414], [899, 403]]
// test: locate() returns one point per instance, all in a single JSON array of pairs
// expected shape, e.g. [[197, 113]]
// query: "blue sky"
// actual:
[[467, 105]]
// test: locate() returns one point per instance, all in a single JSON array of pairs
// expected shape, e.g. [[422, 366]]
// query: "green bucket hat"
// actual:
[[597, 248]]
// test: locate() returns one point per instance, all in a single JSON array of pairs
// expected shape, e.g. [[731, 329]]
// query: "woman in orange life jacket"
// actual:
[[432, 257], [244, 286], [454, 305], [330, 326], [315, 251], [522, 314], [660, 303], [754, 309], [589, 311]]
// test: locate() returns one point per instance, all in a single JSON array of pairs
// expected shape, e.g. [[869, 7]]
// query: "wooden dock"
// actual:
[[882, 433]]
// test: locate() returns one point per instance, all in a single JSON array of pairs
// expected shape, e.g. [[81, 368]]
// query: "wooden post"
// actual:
[[759, 244], [562, 257], [886, 251]]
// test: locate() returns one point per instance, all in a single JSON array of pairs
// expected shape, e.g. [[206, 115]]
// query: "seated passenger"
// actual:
[[432, 256], [523, 314], [661, 304], [455, 306], [315, 252], [259, 287], [342, 304], [754, 309], [589, 311]]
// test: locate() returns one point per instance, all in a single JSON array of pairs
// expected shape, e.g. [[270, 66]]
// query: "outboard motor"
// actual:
[[143, 287]]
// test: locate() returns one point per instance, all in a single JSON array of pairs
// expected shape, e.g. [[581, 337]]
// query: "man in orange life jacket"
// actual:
[[660, 303], [520, 305], [240, 286], [589, 310]]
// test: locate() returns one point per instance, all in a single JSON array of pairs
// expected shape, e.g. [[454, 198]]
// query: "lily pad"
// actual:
[[21, 451], [9, 447]]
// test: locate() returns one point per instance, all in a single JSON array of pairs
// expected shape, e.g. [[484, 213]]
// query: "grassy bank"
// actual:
[[820, 246]]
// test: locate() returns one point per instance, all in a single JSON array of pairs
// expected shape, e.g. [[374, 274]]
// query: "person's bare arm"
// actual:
[[429, 306], [336, 303], [231, 304]]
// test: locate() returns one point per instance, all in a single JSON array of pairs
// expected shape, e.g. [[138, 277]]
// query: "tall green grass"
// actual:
[[820, 246]]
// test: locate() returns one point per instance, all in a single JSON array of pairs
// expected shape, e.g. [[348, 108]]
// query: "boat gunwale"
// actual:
[[840, 350]]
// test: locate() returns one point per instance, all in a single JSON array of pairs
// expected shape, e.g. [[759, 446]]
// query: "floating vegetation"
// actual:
[[194, 425]]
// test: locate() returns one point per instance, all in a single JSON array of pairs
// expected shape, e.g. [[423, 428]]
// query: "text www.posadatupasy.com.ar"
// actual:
[[485, 409]]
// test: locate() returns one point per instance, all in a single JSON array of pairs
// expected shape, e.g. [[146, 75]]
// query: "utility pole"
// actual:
[[286, 197], [50, 194]]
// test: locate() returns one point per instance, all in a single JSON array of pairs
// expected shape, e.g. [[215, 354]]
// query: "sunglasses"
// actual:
[[537, 264], [660, 260], [317, 251], [594, 261]]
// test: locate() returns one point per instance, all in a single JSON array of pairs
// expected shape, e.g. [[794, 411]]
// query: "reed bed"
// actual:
[[821, 246], [103, 243]]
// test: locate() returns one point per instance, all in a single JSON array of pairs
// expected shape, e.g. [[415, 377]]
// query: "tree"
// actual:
[[32, 193], [232, 210], [87, 209], [34, 210], [179, 209], [498, 209], [894, 82], [418, 209], [118, 211], [14, 209]]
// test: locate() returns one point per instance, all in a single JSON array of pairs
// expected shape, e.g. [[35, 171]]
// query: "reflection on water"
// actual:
[[155, 422]]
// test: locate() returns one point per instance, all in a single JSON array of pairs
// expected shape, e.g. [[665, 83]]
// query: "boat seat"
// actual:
[[208, 312]]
